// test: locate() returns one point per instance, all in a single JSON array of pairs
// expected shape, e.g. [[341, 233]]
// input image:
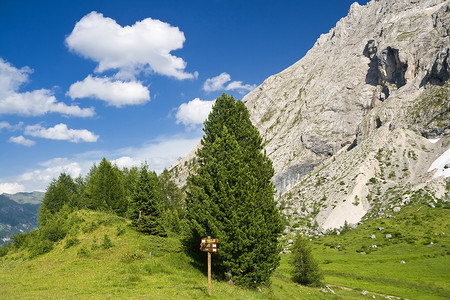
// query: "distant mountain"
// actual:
[[24, 197], [18, 213]]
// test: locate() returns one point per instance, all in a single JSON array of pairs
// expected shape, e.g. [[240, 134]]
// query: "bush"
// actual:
[[306, 270], [83, 252], [106, 242], [43, 247], [131, 257], [4, 249], [71, 241]]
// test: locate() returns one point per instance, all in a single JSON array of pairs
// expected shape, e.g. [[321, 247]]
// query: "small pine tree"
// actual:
[[306, 270], [145, 210]]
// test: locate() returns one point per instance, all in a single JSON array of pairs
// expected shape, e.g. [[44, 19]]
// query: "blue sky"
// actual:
[[132, 81]]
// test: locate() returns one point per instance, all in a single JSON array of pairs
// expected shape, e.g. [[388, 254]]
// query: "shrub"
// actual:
[[83, 252], [43, 247], [4, 249], [106, 242], [130, 257], [71, 241]]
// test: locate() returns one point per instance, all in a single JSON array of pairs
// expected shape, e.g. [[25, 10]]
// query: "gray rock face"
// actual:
[[314, 108], [351, 119]]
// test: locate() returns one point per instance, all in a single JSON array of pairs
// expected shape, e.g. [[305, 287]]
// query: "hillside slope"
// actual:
[[103, 257]]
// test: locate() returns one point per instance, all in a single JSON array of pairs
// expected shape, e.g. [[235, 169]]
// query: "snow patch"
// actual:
[[434, 141], [439, 165]]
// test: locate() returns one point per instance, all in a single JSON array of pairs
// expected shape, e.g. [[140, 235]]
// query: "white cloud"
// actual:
[[126, 162], [61, 132], [216, 83], [194, 112], [219, 83], [114, 92], [38, 180], [144, 46], [34, 103], [159, 154], [21, 141], [6, 125], [237, 85], [11, 188]]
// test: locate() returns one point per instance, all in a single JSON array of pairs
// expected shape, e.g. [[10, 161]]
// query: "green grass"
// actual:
[[87, 265], [426, 271]]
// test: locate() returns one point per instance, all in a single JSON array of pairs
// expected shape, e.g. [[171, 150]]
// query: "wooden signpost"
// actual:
[[209, 245]]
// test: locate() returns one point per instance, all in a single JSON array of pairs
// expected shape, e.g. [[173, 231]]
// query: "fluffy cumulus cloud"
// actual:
[[194, 112], [38, 180], [114, 92], [61, 132], [126, 162], [21, 141], [223, 82], [144, 46], [11, 188], [32, 103]]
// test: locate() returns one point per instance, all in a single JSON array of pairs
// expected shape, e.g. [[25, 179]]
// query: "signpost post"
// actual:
[[209, 245]]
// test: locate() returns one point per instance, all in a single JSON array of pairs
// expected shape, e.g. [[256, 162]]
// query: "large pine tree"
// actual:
[[231, 197]]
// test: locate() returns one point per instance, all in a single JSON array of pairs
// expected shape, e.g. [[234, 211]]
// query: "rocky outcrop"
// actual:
[[386, 49]]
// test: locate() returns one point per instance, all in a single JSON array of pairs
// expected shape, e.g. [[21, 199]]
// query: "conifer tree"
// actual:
[[306, 270], [145, 210], [59, 192], [105, 189], [231, 197], [171, 194]]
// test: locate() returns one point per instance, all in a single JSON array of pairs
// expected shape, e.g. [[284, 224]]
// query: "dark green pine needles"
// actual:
[[145, 210], [231, 197]]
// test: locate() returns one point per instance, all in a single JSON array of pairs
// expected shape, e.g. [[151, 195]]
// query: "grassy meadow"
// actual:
[[103, 258]]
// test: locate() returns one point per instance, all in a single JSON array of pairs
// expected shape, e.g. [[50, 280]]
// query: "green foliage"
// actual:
[[133, 256], [40, 248], [305, 268], [231, 197], [172, 221], [171, 196], [106, 244], [60, 192], [4, 249], [145, 210], [105, 189], [83, 252], [71, 241], [120, 230]]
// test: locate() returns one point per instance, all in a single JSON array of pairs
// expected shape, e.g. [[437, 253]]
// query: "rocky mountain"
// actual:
[[18, 213], [354, 127]]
